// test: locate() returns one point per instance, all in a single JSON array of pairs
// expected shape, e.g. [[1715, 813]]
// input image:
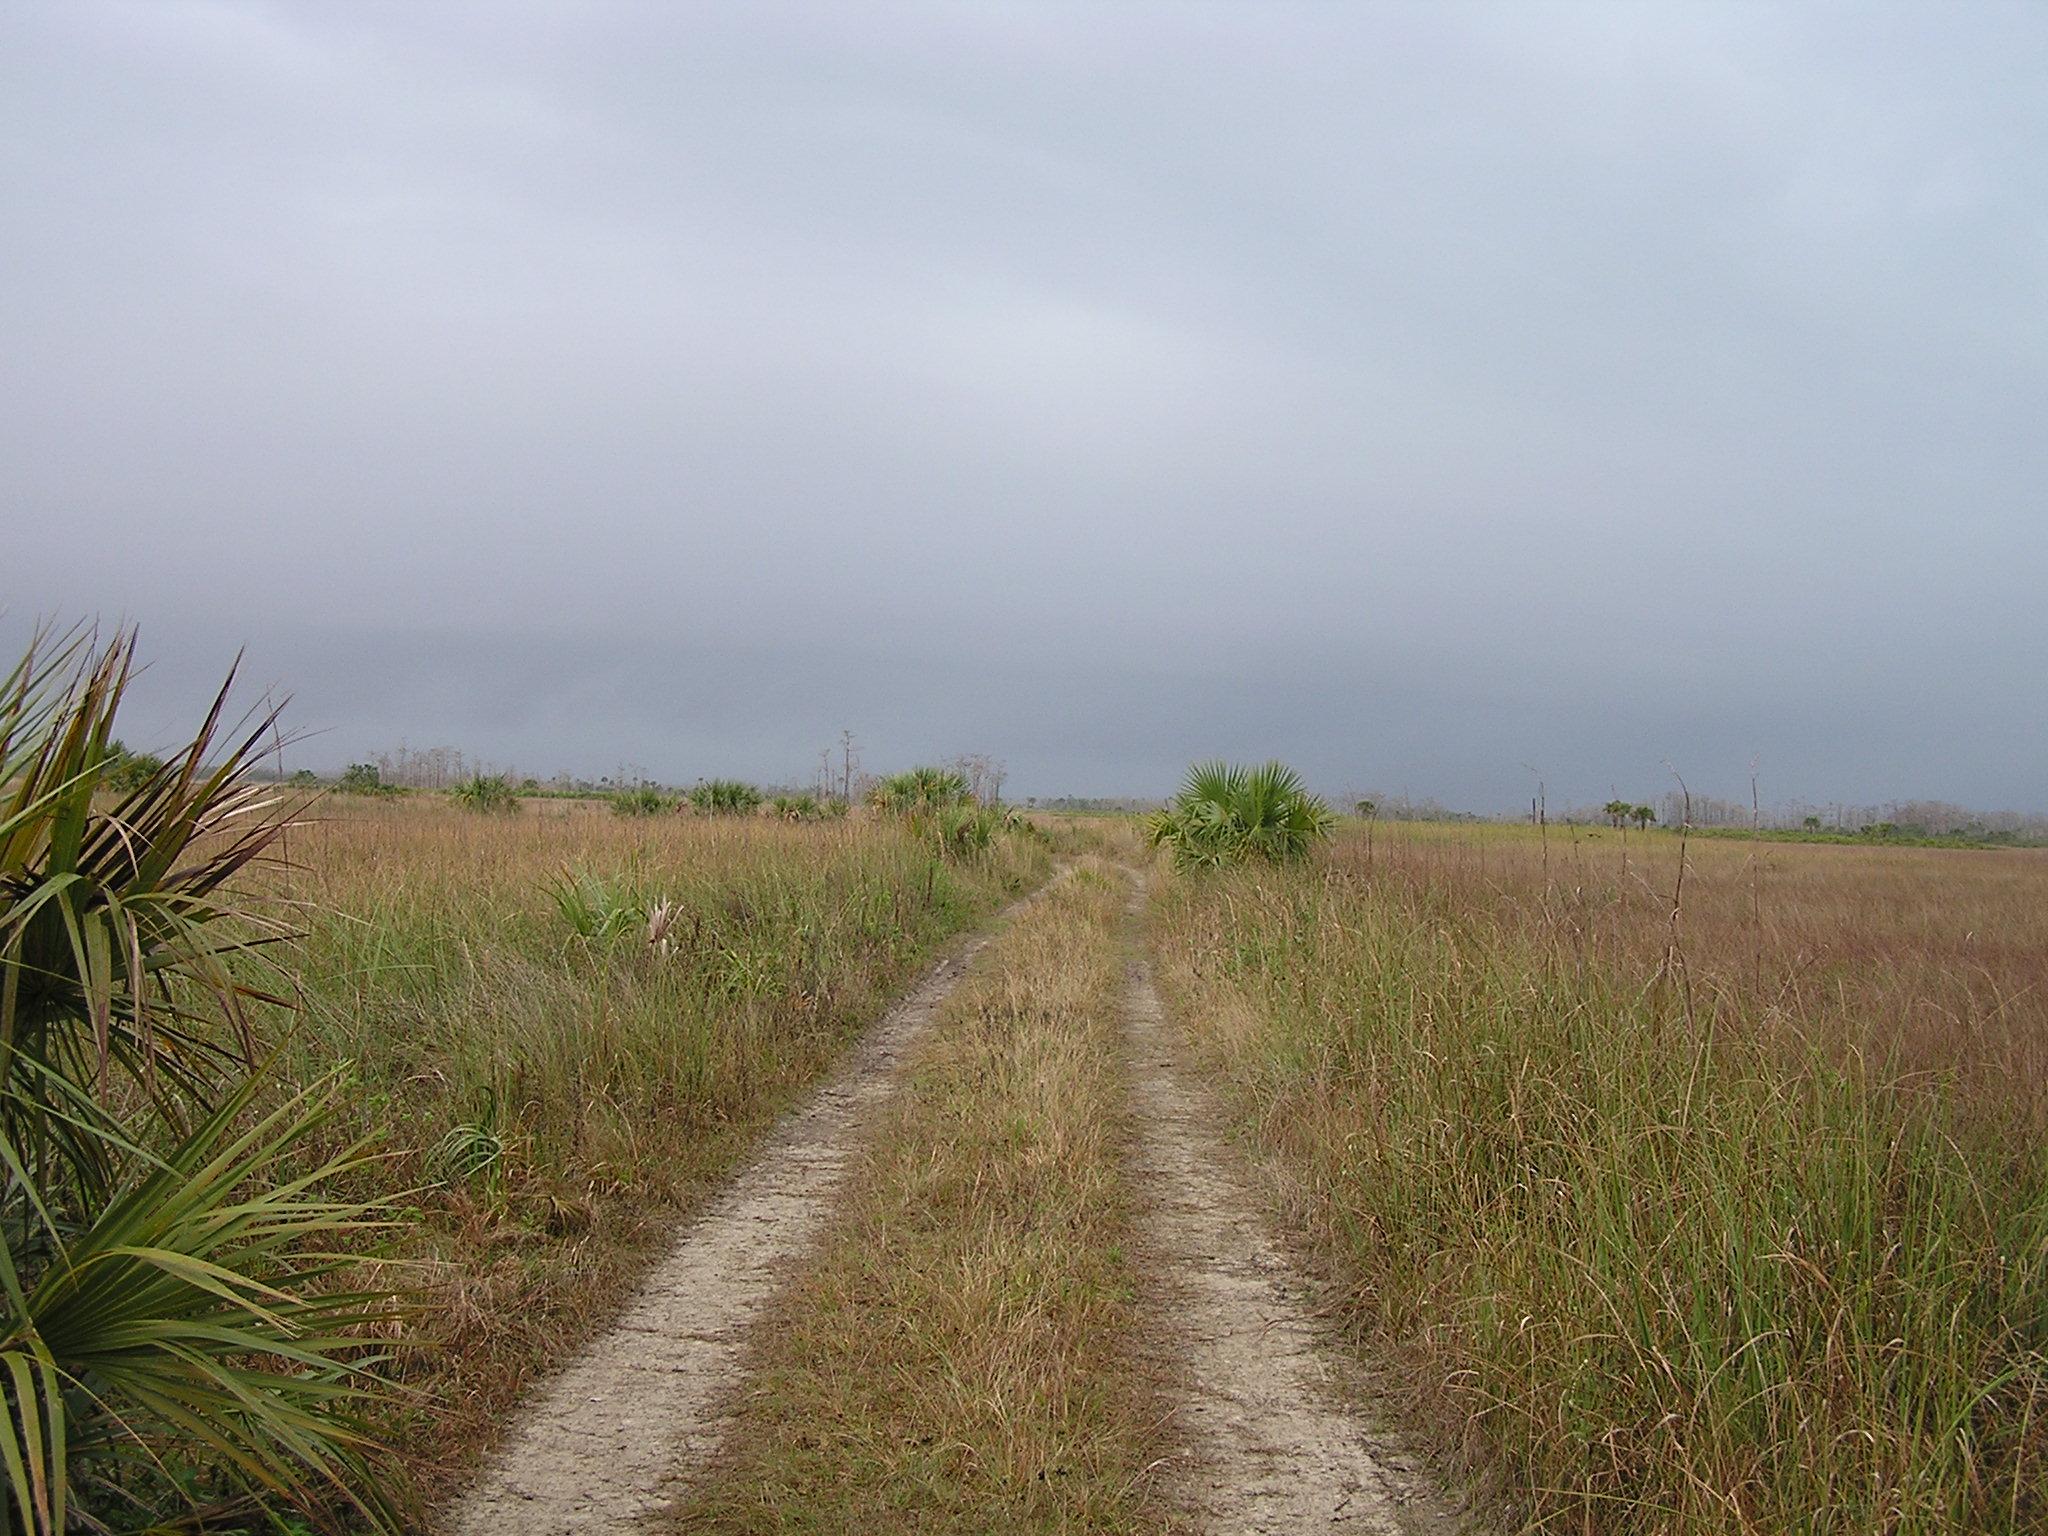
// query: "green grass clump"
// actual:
[[1668, 1264]]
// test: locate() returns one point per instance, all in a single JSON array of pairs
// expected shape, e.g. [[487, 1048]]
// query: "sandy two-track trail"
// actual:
[[1269, 1439], [597, 1447]]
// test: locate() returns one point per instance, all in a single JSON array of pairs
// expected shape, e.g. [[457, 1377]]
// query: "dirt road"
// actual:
[[1269, 1433]]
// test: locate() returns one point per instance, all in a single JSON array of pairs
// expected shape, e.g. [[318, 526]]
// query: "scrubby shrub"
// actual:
[[125, 770]]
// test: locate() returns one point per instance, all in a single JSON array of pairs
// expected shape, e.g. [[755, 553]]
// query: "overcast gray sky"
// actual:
[[1415, 392]]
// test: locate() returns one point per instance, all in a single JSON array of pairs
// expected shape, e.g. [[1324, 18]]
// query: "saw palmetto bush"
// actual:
[[1225, 814], [173, 1347], [937, 804], [645, 800], [919, 791], [963, 831], [592, 908], [724, 797], [490, 793]]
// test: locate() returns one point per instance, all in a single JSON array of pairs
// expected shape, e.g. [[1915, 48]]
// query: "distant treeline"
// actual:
[[1876, 832], [1927, 821], [1097, 805], [1937, 822], [406, 768]]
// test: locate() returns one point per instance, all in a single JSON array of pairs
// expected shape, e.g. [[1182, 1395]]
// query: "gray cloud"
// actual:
[[1413, 391]]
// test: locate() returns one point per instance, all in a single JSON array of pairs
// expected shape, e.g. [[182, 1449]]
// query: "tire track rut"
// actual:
[[1275, 1440]]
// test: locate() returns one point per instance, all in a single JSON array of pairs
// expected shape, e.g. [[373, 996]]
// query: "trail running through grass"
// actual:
[[1276, 1438], [1241, 1418]]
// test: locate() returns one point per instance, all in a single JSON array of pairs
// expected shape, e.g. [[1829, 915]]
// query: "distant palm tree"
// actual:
[[1642, 815]]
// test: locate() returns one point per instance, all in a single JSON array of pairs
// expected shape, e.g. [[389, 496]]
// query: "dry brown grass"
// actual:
[[1935, 956], [1733, 1224], [959, 1358]]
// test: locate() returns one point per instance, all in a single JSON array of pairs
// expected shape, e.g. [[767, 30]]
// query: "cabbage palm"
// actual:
[[1225, 814]]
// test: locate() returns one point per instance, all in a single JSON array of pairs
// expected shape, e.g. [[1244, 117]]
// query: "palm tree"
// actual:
[[1225, 814], [1618, 812], [1642, 816]]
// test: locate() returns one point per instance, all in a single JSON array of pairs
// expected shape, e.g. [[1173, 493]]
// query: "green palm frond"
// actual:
[[124, 951], [490, 793], [188, 1314], [592, 909], [1213, 783], [645, 800]]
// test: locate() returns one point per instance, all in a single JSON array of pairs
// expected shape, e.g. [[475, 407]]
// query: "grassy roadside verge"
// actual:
[[958, 1357], [563, 1101], [1658, 1270]]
